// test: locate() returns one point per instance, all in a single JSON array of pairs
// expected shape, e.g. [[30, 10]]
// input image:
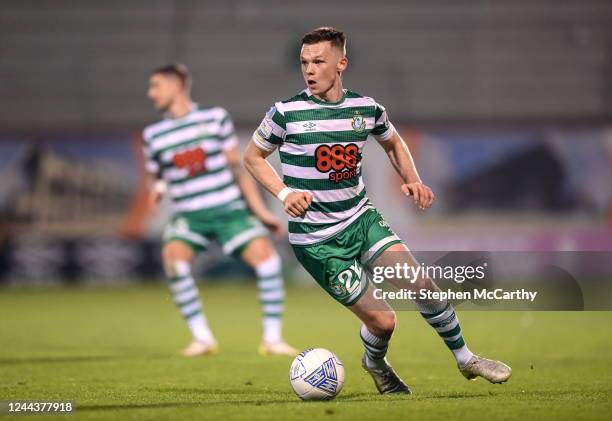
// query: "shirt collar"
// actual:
[[325, 103], [194, 107]]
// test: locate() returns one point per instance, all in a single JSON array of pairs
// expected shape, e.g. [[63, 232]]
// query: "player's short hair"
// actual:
[[177, 70], [336, 37]]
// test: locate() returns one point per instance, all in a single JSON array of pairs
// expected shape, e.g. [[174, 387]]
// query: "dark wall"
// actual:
[[86, 62]]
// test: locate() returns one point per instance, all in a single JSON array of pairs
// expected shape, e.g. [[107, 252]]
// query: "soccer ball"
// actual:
[[316, 374]]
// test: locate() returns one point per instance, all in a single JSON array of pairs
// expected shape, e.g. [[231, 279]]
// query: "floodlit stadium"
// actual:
[[282, 210]]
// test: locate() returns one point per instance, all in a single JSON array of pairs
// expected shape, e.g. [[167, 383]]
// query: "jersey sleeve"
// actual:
[[151, 165], [227, 133], [271, 132], [383, 129]]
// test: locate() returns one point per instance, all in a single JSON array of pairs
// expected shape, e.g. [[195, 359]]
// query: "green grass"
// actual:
[[113, 352]]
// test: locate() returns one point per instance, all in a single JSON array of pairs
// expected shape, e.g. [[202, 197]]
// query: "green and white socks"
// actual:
[[441, 316], [375, 348], [187, 299], [271, 298]]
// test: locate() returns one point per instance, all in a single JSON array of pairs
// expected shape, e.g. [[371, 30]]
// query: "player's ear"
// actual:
[[342, 64]]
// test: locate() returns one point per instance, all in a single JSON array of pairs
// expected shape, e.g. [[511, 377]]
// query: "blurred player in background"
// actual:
[[334, 229], [193, 154]]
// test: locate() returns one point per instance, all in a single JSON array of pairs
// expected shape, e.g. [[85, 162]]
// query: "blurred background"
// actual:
[[506, 105]]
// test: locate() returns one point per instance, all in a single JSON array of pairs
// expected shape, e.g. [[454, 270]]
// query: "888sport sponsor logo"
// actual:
[[339, 160]]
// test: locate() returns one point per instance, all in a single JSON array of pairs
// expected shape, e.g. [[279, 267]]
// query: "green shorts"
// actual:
[[233, 230], [338, 263]]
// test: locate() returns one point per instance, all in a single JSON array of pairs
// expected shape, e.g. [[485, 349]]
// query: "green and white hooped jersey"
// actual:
[[188, 153], [320, 146]]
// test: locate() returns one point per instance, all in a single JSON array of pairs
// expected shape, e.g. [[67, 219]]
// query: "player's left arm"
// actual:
[[402, 161]]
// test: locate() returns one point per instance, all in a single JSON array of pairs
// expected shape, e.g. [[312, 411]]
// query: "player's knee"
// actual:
[[175, 252], [176, 258], [260, 251], [170, 256]]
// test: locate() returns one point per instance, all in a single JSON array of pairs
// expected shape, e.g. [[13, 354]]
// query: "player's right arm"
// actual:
[[154, 185], [267, 137], [156, 189], [296, 203]]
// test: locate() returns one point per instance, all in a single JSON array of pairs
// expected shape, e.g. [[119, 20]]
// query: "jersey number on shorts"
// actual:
[[193, 160], [351, 278]]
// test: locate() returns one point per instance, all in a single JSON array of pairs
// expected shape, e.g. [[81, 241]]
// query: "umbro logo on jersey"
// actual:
[[309, 127]]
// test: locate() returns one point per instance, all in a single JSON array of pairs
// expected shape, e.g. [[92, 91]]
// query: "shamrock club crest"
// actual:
[[359, 122]]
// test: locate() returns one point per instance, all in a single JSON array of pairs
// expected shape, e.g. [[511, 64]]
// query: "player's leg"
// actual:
[[178, 252], [263, 258], [379, 322], [336, 267], [242, 235], [441, 316]]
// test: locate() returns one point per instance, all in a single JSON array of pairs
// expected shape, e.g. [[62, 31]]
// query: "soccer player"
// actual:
[[333, 228], [193, 154]]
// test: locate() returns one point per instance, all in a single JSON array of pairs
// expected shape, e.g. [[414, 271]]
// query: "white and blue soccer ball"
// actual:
[[316, 374]]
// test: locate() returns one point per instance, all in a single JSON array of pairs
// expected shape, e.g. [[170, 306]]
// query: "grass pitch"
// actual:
[[114, 353]]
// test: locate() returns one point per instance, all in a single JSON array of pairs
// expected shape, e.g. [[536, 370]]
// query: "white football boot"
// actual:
[[197, 348], [493, 371], [277, 348]]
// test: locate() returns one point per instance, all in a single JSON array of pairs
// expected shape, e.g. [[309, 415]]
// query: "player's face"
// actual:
[[163, 90], [322, 65]]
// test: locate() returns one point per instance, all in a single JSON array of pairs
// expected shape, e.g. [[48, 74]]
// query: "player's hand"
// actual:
[[157, 190], [154, 198], [273, 223], [297, 202], [422, 195]]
